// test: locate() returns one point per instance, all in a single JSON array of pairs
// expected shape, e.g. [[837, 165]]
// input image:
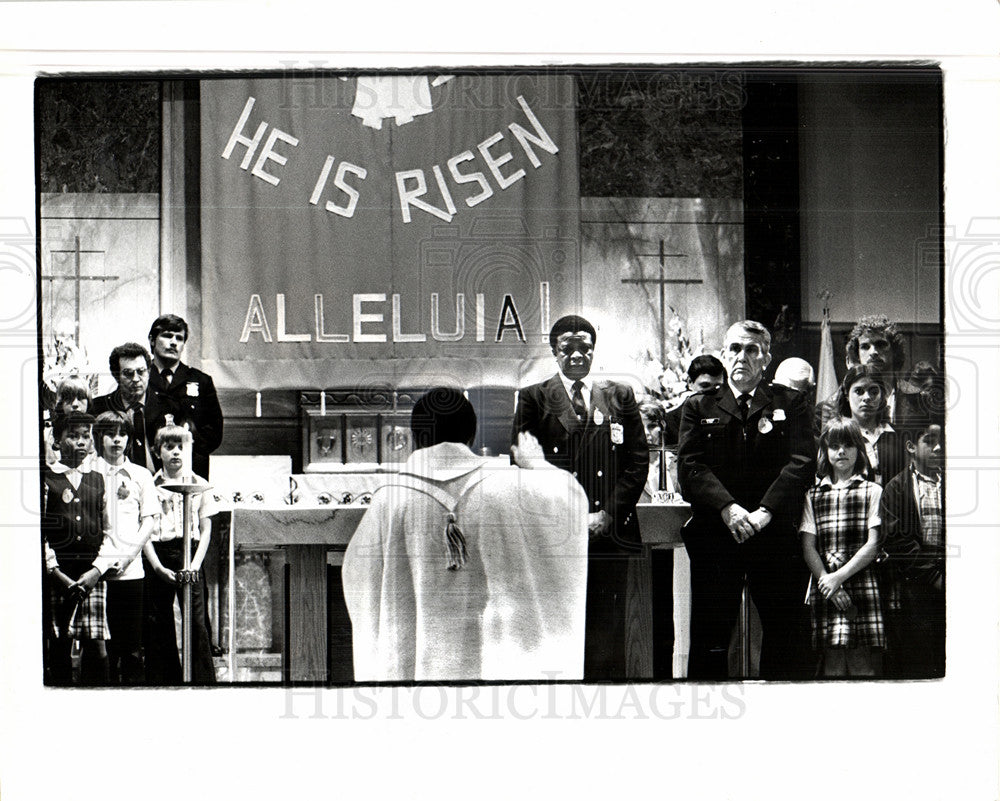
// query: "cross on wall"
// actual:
[[77, 277], [662, 282]]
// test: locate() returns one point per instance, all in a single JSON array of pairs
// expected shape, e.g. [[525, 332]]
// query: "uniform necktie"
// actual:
[[579, 407], [166, 375], [744, 402]]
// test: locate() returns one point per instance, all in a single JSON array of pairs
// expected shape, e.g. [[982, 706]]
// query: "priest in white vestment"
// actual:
[[466, 567]]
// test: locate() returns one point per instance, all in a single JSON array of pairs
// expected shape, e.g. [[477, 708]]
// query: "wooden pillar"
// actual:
[[305, 596], [639, 617]]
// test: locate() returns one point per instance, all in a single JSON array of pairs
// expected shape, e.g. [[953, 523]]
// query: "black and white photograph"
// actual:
[[405, 391], [586, 272]]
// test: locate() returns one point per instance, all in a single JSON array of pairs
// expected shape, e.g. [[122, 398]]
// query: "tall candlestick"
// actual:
[[186, 457], [322, 403], [257, 410]]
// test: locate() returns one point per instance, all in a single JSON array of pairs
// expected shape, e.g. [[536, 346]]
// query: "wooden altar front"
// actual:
[[308, 535]]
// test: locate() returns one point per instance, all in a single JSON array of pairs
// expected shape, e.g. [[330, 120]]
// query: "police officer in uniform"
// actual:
[[593, 429], [746, 458]]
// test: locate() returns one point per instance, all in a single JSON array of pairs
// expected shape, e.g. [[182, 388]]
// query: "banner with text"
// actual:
[[388, 230]]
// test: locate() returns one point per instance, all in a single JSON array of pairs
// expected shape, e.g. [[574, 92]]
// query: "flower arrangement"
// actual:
[[63, 358], [664, 385]]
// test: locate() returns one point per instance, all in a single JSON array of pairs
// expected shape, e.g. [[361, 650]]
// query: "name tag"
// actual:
[[709, 421]]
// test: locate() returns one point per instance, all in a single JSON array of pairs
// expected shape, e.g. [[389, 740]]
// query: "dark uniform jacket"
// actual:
[[607, 453], [769, 461]]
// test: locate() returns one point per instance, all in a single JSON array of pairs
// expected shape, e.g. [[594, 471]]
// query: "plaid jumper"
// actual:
[[843, 514], [73, 522]]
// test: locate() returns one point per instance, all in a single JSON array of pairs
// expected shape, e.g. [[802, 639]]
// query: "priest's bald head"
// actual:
[[442, 414]]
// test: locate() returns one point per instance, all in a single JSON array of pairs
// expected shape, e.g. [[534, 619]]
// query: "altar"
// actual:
[[309, 519]]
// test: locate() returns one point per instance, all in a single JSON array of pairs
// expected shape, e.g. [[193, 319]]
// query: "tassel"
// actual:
[[455, 541]]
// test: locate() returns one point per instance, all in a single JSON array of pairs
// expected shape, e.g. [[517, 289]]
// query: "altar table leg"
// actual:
[[639, 614], [307, 613]]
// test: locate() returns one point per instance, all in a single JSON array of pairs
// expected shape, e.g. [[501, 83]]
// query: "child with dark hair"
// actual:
[[74, 527], [133, 508], [913, 520], [862, 397], [840, 541]]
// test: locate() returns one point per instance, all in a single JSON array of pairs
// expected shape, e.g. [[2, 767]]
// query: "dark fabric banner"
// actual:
[[389, 230]]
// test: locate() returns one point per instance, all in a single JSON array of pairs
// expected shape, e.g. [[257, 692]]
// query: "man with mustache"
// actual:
[[182, 391], [130, 366], [745, 461]]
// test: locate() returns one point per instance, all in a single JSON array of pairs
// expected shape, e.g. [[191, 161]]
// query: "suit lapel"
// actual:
[[179, 378], [761, 398], [727, 403], [558, 402], [599, 400]]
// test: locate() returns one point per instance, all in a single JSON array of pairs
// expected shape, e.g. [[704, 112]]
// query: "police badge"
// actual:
[[617, 434], [122, 492], [192, 389]]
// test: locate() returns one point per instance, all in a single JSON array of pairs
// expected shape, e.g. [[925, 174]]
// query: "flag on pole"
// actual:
[[826, 376]]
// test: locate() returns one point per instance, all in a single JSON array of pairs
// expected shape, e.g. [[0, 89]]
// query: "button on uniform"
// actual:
[[600, 473]]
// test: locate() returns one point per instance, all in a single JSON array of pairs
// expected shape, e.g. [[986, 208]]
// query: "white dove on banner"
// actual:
[[400, 97]]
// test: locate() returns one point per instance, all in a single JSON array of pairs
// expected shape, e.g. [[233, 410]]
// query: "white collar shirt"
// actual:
[[586, 391], [130, 497]]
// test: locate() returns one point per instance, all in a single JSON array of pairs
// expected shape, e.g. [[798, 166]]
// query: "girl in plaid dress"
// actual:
[[840, 541]]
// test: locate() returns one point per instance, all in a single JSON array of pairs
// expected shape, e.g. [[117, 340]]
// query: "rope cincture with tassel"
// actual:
[[454, 539]]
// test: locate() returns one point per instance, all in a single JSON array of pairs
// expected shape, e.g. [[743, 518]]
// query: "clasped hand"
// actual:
[[599, 524], [80, 589], [743, 524], [828, 584]]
